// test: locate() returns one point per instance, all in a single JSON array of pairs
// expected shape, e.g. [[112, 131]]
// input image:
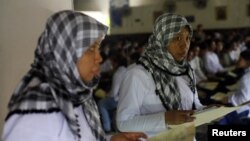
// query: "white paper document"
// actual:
[[210, 114], [186, 131]]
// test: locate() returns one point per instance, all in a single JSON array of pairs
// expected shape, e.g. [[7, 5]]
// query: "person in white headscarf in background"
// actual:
[[54, 101], [160, 90]]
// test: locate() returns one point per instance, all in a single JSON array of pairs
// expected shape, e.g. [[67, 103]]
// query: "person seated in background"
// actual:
[[107, 71], [109, 104], [234, 53], [105, 51], [242, 95], [106, 66], [160, 90], [211, 60], [133, 59], [228, 78], [54, 101], [225, 57], [195, 64], [219, 47]]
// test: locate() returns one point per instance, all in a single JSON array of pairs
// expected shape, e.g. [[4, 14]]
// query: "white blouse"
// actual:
[[212, 63], [140, 109], [195, 64], [45, 127], [116, 82], [243, 93]]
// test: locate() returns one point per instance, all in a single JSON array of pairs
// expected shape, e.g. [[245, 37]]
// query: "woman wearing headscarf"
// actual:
[[160, 90], [53, 102]]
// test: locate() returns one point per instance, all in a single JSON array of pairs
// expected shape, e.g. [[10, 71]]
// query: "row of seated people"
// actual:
[[134, 114]]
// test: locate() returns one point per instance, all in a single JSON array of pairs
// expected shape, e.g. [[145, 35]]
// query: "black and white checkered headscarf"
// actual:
[[161, 64], [53, 83]]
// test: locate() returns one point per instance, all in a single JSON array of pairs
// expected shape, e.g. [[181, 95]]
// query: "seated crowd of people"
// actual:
[[218, 61], [140, 88]]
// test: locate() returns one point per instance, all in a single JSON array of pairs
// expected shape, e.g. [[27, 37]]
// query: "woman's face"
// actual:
[[89, 64], [219, 46], [179, 45]]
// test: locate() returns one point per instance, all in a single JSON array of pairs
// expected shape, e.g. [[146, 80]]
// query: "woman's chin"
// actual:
[[181, 59]]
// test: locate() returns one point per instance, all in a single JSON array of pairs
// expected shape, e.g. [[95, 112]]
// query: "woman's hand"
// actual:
[[128, 136], [175, 117]]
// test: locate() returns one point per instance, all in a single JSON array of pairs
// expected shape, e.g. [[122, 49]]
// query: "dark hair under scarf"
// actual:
[[53, 83], [161, 64]]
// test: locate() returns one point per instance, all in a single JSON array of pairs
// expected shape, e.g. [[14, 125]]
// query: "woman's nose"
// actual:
[[98, 57], [185, 44]]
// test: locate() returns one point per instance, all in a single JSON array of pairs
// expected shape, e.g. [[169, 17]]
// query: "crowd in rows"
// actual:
[[214, 57]]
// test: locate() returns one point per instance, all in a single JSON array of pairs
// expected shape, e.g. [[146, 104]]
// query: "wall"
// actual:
[[21, 23], [236, 15], [92, 5]]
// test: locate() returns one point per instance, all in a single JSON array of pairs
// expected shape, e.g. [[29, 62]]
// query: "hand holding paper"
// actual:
[[174, 117], [210, 114]]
